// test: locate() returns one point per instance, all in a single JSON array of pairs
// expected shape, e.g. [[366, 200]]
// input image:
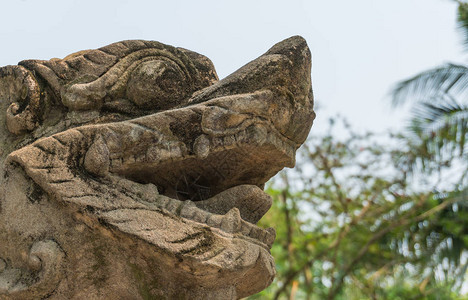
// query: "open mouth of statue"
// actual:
[[224, 188], [219, 185], [203, 175]]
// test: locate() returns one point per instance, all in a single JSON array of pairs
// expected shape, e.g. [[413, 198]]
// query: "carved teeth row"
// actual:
[[231, 222]]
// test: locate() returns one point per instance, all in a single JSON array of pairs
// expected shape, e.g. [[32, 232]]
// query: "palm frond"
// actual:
[[427, 146], [447, 79], [442, 122], [437, 115]]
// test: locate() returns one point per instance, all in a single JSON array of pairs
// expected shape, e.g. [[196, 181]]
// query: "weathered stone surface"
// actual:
[[131, 172]]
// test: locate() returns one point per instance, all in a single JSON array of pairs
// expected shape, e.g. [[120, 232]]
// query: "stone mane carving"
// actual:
[[132, 172]]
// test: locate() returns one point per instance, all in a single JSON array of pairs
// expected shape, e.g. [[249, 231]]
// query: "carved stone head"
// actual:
[[131, 172]]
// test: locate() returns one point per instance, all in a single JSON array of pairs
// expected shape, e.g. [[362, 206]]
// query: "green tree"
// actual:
[[352, 224]]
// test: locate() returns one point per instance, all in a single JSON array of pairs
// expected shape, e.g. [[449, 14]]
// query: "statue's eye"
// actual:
[[157, 84]]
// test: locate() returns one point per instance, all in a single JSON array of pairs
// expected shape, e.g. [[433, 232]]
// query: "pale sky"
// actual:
[[360, 48]]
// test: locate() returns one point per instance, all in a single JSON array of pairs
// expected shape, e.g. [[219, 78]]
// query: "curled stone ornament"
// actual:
[[41, 277], [132, 172], [19, 88]]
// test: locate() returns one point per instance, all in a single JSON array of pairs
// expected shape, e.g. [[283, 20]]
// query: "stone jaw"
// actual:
[[180, 187]]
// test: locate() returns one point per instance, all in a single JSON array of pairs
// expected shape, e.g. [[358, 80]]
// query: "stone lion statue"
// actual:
[[132, 172]]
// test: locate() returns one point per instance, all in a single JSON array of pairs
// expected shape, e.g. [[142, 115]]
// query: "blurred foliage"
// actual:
[[366, 216], [355, 220]]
